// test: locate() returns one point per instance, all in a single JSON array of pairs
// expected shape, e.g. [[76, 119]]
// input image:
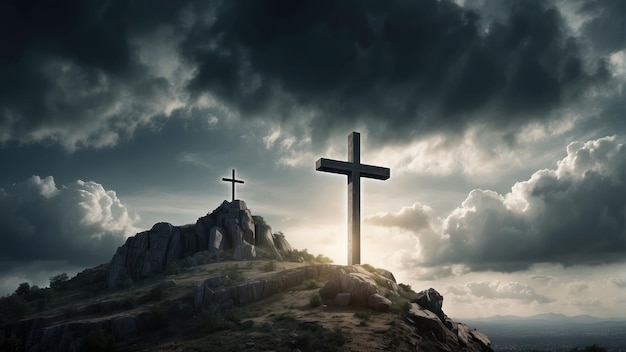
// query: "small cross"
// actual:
[[354, 170], [233, 181]]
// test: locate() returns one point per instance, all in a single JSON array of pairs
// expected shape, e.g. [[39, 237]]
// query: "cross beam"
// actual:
[[354, 170], [233, 181]]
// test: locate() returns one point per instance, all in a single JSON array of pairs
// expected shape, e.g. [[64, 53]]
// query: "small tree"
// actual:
[[57, 281], [23, 290]]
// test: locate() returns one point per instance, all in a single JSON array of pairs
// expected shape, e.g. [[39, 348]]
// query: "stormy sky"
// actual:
[[502, 122]]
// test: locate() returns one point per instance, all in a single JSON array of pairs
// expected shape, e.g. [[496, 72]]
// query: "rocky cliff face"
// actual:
[[229, 227]]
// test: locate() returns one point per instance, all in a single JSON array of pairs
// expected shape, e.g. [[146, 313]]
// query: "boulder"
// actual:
[[330, 289], [423, 318], [281, 243], [247, 226], [431, 299], [379, 303], [230, 226], [361, 286], [342, 299], [244, 251], [216, 236]]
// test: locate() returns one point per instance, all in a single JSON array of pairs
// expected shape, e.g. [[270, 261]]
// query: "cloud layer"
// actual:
[[574, 214], [79, 225], [85, 74]]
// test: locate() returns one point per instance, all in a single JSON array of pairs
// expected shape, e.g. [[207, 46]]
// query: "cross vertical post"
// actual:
[[232, 180], [354, 170]]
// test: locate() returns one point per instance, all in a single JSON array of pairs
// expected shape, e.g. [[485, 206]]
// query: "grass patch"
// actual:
[[214, 319], [269, 266], [314, 337], [315, 300], [364, 315]]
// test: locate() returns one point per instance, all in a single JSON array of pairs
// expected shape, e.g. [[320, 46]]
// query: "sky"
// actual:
[[502, 122]]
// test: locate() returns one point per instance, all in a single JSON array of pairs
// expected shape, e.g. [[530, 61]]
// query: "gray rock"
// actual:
[[216, 236], [330, 289], [247, 226], [424, 318], [431, 299], [281, 244], [342, 299], [244, 251], [361, 286], [379, 303]]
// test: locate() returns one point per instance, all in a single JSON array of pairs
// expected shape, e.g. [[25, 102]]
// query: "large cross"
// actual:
[[233, 181], [355, 170]]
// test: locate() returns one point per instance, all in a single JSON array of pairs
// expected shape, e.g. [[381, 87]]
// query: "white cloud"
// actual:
[[77, 225], [573, 214], [498, 290]]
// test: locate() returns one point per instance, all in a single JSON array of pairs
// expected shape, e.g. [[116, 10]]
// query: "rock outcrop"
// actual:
[[424, 320], [231, 226]]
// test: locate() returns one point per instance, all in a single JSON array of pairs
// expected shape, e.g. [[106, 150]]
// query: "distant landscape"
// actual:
[[552, 332]]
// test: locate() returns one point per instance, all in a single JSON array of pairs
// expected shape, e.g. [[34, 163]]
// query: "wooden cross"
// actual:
[[354, 170], [233, 181]]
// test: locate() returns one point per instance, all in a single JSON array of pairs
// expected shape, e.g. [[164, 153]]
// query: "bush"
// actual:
[[23, 290], [157, 319], [214, 319], [156, 293], [125, 282], [13, 306], [315, 300], [322, 259], [98, 341], [365, 315], [129, 303], [12, 344], [173, 268], [233, 272], [56, 281], [269, 266], [310, 284]]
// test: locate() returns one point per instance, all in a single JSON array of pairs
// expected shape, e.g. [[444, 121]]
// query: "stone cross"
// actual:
[[233, 181], [354, 170]]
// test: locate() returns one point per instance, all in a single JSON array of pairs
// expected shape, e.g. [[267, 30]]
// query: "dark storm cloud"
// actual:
[[77, 225], [607, 30], [77, 73], [400, 67], [575, 214], [71, 74]]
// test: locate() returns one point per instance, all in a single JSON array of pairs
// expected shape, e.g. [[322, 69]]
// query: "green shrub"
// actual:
[[233, 272], [365, 315], [214, 319], [12, 344], [157, 319], [269, 266], [23, 290], [322, 259], [156, 293], [315, 300], [129, 303], [173, 268], [125, 282], [310, 284], [98, 341], [13, 307]]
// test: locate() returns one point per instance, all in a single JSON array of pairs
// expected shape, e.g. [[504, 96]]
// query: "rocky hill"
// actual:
[[275, 299]]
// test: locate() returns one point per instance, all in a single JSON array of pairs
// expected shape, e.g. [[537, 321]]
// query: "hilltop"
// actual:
[[166, 290]]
